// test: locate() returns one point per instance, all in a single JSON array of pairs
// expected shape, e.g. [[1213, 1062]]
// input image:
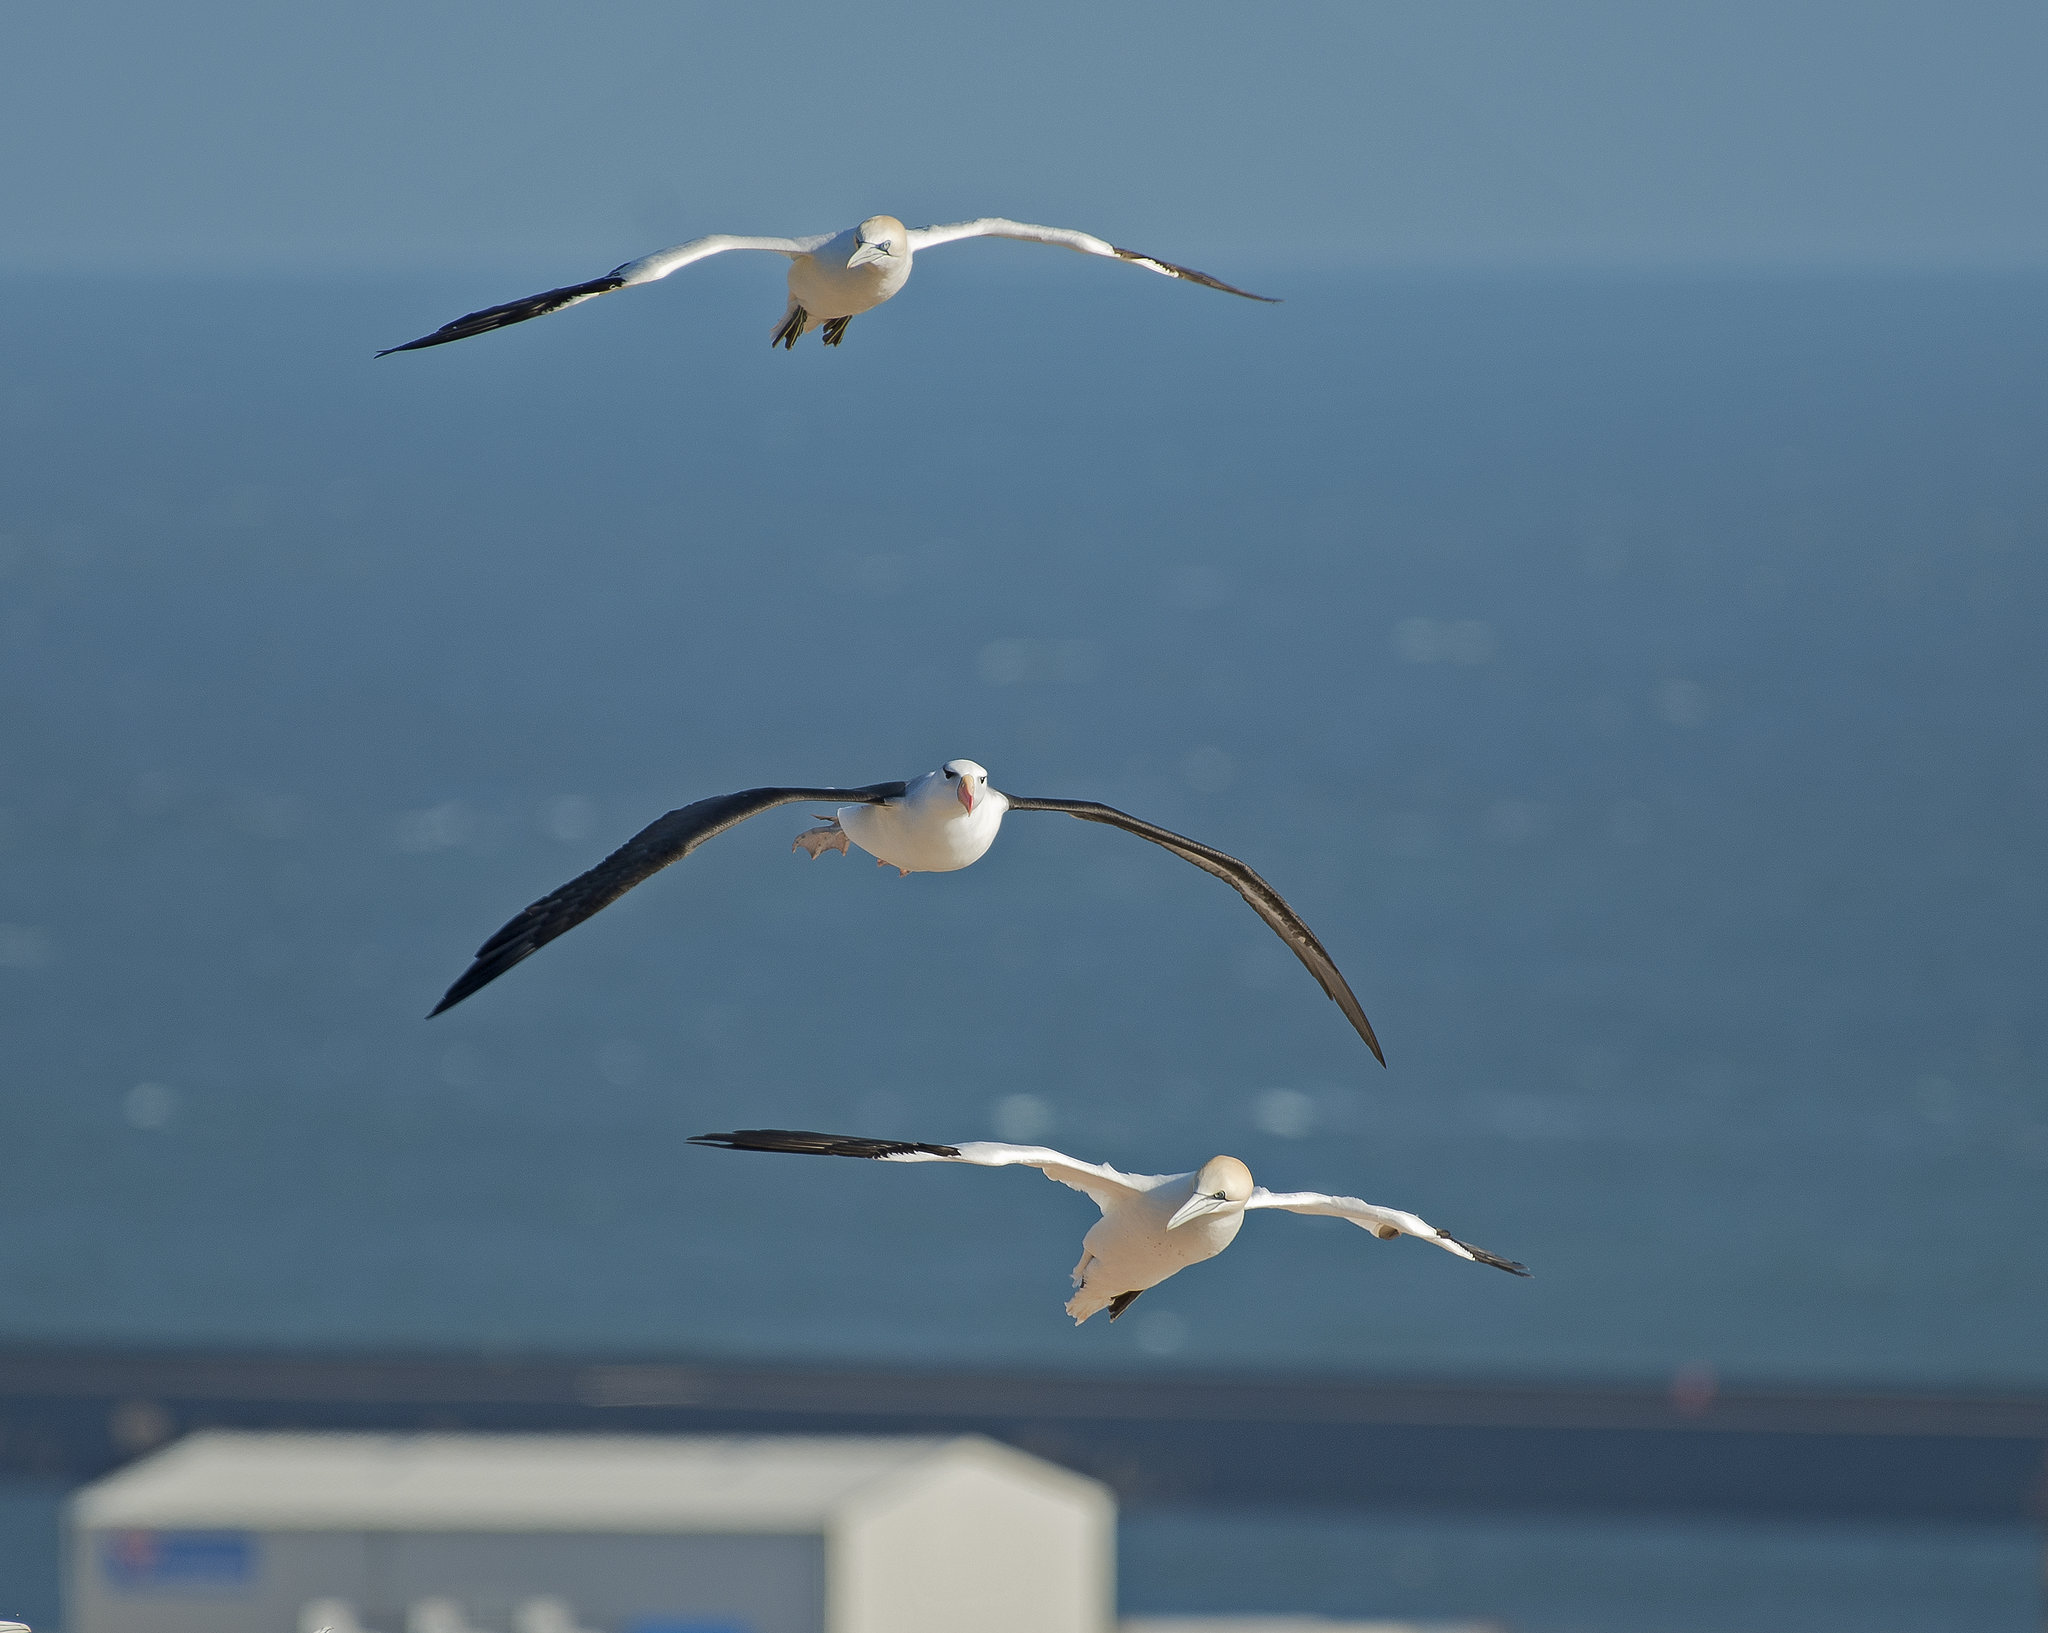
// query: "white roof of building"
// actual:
[[493, 1482]]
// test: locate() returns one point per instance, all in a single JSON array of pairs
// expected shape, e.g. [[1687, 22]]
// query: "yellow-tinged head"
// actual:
[[879, 238], [1223, 1185]]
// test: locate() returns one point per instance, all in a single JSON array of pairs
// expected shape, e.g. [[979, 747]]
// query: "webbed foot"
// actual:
[[831, 837], [833, 330], [793, 325]]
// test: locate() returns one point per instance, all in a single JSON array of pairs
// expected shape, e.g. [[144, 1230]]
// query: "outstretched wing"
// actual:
[[669, 839], [1385, 1223], [1098, 1180], [643, 271], [1266, 901], [995, 226]]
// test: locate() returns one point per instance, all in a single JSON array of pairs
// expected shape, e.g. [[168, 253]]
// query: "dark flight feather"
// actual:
[[665, 840], [497, 317], [802, 1142], [1484, 1257], [675, 835], [1265, 900], [1192, 276]]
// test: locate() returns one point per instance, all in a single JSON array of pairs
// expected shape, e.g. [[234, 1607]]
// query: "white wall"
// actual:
[[979, 1538]]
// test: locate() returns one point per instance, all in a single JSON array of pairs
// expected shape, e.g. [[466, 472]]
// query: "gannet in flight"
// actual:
[[938, 823], [833, 278], [1152, 1225]]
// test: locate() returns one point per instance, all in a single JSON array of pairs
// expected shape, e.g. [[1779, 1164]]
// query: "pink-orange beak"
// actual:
[[967, 795]]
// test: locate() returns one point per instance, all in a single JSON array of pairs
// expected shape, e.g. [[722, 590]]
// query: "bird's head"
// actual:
[[1223, 1186], [968, 782], [879, 238]]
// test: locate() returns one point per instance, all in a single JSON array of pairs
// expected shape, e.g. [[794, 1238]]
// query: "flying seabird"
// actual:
[[833, 277], [938, 823], [1152, 1225]]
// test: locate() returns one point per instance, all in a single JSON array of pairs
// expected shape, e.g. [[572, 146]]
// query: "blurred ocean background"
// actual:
[[1636, 679]]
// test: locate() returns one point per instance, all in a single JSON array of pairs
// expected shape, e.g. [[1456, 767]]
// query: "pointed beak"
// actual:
[[1193, 1208], [966, 794], [866, 253]]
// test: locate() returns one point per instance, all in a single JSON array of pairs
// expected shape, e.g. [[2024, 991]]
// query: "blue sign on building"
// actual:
[[178, 1559]]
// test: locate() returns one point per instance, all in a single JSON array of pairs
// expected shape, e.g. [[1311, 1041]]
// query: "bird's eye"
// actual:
[[1220, 1197], [951, 774]]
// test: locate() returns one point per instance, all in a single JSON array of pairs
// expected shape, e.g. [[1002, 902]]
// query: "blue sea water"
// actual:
[[1637, 682], [1578, 1575]]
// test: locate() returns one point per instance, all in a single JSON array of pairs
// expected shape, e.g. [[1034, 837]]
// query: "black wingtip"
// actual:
[[461, 990], [1189, 274], [499, 317], [437, 338], [1494, 1259], [804, 1142], [474, 979], [1352, 1013]]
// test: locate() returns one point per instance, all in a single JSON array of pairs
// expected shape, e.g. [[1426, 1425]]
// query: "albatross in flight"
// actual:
[[938, 823], [833, 277], [1152, 1225]]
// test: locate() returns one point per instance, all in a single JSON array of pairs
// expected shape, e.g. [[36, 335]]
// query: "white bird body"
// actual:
[[946, 820], [833, 277], [1153, 1226], [830, 282], [1134, 1245]]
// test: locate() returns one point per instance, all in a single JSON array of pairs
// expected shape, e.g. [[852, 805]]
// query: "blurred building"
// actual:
[[234, 1532], [1293, 1624]]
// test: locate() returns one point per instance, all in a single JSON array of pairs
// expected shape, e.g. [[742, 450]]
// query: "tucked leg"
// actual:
[[831, 837]]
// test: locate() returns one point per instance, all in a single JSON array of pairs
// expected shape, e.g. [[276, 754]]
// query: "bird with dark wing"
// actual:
[[833, 277], [1153, 1225], [938, 823]]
